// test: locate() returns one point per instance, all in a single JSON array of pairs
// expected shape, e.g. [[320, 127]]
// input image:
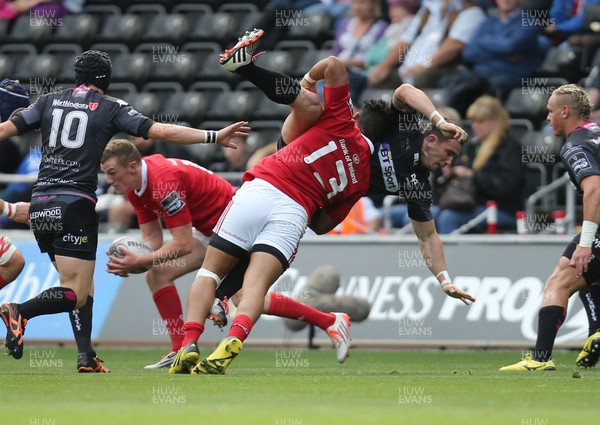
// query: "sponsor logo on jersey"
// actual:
[[579, 162], [172, 203], [69, 104], [93, 106], [46, 213], [74, 239], [388, 172]]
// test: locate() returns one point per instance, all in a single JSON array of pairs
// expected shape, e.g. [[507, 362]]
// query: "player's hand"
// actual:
[[22, 214], [121, 266], [238, 129], [308, 85], [453, 131], [580, 259], [454, 292]]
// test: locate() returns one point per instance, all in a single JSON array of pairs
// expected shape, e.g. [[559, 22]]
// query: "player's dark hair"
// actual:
[[374, 119], [432, 129], [93, 67], [123, 150]]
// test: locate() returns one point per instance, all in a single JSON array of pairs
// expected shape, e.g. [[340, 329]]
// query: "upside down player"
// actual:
[[319, 176], [569, 111], [76, 125], [190, 199]]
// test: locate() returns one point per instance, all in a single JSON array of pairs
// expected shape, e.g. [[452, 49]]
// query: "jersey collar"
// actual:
[[370, 143], [144, 179]]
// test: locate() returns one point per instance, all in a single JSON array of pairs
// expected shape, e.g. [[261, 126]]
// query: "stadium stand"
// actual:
[[165, 63]]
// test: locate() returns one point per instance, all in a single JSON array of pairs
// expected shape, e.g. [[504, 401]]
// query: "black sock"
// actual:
[[278, 87], [550, 319], [590, 297], [51, 301], [81, 321]]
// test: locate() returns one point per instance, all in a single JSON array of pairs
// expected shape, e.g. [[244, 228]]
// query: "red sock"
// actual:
[[169, 306], [289, 308], [241, 327], [192, 330]]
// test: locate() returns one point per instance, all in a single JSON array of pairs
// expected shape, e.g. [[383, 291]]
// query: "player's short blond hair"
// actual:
[[123, 150], [575, 98]]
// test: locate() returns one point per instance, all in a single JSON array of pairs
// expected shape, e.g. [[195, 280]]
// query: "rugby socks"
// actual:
[[192, 330], [590, 297], [550, 319], [51, 301], [278, 87], [169, 307], [283, 306], [81, 322], [241, 327]]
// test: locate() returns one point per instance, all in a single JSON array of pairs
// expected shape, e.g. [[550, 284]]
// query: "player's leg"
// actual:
[[216, 265], [11, 261], [161, 282], [280, 88], [562, 283], [279, 225], [590, 297]]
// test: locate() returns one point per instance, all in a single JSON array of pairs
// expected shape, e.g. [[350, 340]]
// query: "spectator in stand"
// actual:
[[492, 159], [355, 35], [432, 45], [567, 17], [401, 13], [501, 53], [363, 218]]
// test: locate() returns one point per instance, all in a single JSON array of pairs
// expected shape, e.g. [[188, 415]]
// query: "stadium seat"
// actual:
[[192, 11], [308, 59], [564, 62], [217, 27], [124, 29], [11, 55], [163, 90], [279, 61], [266, 109], [211, 70], [529, 104], [186, 106], [41, 69], [65, 55], [166, 28], [23, 31], [168, 63], [121, 90], [522, 129], [134, 68], [246, 15], [102, 12], [145, 103], [232, 106], [79, 29], [314, 27], [297, 49]]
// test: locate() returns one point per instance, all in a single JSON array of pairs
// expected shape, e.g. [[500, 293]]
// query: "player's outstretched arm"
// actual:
[[187, 136], [432, 250], [330, 69], [408, 98]]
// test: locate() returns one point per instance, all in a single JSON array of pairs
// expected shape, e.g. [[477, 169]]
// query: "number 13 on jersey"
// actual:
[[336, 186]]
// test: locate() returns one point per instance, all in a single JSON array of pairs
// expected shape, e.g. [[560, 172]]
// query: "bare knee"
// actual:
[[13, 267], [158, 278]]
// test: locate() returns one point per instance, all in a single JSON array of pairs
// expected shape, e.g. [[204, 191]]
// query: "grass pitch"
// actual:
[[297, 387]]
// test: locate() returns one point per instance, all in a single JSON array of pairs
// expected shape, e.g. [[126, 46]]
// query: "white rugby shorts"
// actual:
[[260, 214]]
